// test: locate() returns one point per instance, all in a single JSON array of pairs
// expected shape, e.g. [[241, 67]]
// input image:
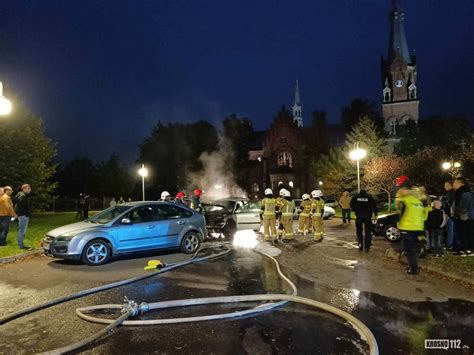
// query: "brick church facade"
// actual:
[[279, 153]]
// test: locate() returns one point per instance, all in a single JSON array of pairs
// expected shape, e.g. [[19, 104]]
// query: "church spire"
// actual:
[[398, 42], [298, 107]]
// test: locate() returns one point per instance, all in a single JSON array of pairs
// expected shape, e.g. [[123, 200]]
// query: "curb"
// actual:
[[17, 257], [394, 255]]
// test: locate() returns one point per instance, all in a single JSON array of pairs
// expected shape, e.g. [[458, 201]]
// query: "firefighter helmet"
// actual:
[[180, 195], [286, 193], [197, 192], [268, 192], [282, 192], [165, 195], [316, 193], [306, 197]]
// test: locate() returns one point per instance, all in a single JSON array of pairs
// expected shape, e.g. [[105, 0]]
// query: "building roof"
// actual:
[[398, 42]]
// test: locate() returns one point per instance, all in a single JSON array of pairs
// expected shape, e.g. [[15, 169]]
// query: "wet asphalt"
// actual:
[[400, 326]]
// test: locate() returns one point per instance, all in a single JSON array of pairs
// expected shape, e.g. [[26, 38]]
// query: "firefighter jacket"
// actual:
[[269, 207], [305, 208], [317, 206], [287, 207]]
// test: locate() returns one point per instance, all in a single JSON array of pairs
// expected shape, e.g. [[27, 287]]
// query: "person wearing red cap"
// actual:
[[412, 220], [180, 198], [196, 201]]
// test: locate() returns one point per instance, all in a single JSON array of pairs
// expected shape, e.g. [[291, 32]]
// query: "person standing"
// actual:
[[196, 201], [436, 222], [464, 217], [448, 201], [120, 201], [412, 220], [304, 219], [317, 214], [80, 208], [6, 214], [113, 202], [287, 212], [23, 210], [364, 207], [86, 207], [345, 203], [269, 208]]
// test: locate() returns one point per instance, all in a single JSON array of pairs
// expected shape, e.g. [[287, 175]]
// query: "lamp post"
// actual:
[[453, 168], [357, 154], [143, 172], [5, 104]]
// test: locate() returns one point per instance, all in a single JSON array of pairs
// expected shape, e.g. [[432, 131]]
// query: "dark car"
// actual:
[[221, 216], [386, 226]]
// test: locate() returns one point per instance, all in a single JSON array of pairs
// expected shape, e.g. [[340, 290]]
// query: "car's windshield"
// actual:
[[109, 214], [226, 203], [250, 206]]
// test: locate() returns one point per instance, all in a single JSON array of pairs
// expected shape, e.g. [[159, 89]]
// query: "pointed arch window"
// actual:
[[285, 159]]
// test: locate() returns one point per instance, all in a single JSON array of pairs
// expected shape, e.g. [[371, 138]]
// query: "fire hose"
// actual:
[[133, 309]]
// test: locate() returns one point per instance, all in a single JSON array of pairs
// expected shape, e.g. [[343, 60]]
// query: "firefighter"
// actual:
[[269, 208], [165, 196], [180, 199], [412, 220], [304, 219], [196, 201], [287, 211], [280, 201], [364, 207], [317, 211]]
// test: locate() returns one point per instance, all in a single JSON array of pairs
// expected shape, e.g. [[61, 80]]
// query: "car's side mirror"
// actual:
[[126, 221]]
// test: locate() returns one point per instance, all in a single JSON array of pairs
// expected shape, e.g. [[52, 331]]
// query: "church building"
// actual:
[[400, 96]]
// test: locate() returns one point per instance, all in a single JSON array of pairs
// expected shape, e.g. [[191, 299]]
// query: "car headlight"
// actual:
[[65, 237]]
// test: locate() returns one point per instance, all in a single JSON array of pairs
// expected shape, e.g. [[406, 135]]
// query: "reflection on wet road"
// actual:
[[399, 326]]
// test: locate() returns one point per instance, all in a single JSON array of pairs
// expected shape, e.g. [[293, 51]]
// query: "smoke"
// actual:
[[216, 177]]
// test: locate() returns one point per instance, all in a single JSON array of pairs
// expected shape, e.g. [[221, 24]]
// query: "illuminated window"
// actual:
[[285, 159]]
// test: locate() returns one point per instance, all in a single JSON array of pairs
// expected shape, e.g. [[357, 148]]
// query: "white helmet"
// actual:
[[268, 192], [282, 192], [316, 193], [306, 197], [286, 193], [165, 195]]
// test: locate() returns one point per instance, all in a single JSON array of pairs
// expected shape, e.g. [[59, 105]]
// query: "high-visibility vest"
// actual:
[[268, 205], [413, 217]]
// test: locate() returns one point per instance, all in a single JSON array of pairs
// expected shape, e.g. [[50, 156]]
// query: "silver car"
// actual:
[[132, 227]]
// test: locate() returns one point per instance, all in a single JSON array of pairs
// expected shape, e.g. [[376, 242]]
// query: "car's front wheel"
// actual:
[[190, 243], [391, 233], [96, 252]]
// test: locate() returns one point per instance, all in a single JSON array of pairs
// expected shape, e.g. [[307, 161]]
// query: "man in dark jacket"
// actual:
[[364, 207], [23, 210], [448, 201], [464, 217]]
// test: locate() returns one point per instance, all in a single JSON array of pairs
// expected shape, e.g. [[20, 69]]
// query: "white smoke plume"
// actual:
[[216, 177]]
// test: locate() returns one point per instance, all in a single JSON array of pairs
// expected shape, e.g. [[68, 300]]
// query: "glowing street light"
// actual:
[[446, 165], [5, 104], [143, 172], [357, 154], [453, 168], [320, 183]]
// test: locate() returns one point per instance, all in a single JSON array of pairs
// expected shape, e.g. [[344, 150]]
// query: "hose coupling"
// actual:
[[134, 307]]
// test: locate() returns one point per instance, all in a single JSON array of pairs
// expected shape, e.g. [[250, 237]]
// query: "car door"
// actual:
[[248, 217], [142, 231], [172, 220]]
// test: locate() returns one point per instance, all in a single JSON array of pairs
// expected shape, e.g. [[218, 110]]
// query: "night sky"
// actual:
[[101, 73]]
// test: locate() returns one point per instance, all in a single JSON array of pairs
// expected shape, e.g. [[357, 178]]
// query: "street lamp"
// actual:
[[453, 168], [5, 104], [357, 154], [320, 183], [143, 172]]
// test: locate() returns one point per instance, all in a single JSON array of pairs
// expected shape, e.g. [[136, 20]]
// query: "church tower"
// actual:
[[400, 97], [298, 107]]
